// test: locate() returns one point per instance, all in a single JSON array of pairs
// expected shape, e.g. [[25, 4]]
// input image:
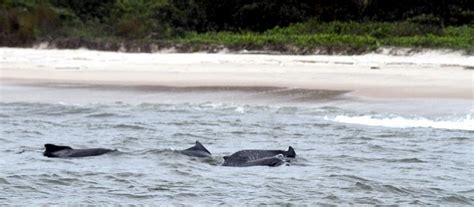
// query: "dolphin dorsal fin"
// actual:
[[54, 148], [199, 146], [291, 152]]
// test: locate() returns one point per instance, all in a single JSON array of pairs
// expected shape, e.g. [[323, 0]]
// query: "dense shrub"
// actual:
[[375, 29], [22, 22], [87, 10], [352, 23]]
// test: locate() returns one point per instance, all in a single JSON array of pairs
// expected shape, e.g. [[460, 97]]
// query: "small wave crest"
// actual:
[[459, 123], [102, 115], [135, 126]]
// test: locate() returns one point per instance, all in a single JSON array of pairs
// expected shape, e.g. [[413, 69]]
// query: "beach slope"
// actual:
[[427, 74]]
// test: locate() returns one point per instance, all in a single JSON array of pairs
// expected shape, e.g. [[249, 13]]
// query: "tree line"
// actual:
[[22, 20]]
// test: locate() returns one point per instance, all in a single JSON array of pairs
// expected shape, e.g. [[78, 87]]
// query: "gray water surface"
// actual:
[[337, 163]]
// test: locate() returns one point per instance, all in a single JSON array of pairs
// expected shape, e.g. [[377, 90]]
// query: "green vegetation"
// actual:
[[359, 25], [314, 34]]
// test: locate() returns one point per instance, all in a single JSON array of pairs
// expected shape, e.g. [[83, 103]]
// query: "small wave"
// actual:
[[393, 189], [363, 186], [332, 198], [409, 160], [457, 199], [460, 139], [158, 107], [179, 134], [465, 123], [46, 109], [240, 110], [102, 115], [4, 181], [55, 181], [131, 126], [375, 186], [61, 110], [287, 110], [191, 123], [42, 123], [349, 178], [367, 201], [155, 152], [31, 132]]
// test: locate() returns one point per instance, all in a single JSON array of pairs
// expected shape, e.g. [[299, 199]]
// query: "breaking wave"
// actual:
[[459, 123]]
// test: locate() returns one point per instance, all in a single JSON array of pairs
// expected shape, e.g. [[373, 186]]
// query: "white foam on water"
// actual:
[[240, 110], [460, 123]]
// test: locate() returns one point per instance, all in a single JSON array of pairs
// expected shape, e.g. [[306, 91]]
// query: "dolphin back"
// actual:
[[66, 151], [87, 152], [239, 161], [235, 161], [198, 150], [267, 161], [259, 154]]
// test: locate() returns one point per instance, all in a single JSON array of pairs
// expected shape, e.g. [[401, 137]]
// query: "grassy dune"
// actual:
[[339, 34]]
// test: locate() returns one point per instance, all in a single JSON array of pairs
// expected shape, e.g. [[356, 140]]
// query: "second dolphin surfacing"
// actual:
[[198, 150], [58, 151], [246, 158]]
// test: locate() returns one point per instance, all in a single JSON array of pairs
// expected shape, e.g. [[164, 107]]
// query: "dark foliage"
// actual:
[[24, 21], [87, 10], [253, 15]]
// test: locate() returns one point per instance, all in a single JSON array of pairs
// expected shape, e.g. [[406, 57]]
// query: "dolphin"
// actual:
[[246, 158], [198, 150], [66, 151], [258, 154], [238, 161]]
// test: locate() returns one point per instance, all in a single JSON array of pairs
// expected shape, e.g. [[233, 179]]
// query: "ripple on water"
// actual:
[[333, 198], [103, 115], [136, 126], [349, 177], [57, 181], [363, 186], [3, 181], [118, 179], [373, 186], [394, 189], [184, 135], [457, 199], [405, 160], [461, 139], [40, 124], [60, 110], [367, 201]]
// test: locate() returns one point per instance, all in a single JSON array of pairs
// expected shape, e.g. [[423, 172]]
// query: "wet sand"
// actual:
[[430, 74]]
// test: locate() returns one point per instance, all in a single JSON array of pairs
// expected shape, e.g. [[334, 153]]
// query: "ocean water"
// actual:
[[350, 150]]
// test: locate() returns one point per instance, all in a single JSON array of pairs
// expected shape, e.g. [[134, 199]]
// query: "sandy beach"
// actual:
[[429, 74]]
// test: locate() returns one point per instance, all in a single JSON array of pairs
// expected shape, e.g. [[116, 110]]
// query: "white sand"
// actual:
[[436, 74]]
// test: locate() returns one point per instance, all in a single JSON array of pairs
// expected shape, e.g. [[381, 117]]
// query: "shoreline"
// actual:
[[268, 49], [428, 74]]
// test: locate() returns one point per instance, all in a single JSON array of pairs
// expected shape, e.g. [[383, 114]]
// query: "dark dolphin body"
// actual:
[[198, 150], [66, 151], [258, 154], [237, 161], [245, 158]]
